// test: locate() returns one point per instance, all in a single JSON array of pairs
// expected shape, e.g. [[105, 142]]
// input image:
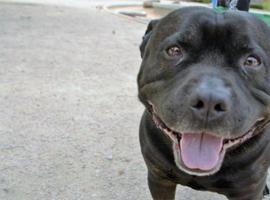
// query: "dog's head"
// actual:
[[205, 80]]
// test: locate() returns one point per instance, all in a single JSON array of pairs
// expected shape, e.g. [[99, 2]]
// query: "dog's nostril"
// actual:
[[220, 108], [198, 105]]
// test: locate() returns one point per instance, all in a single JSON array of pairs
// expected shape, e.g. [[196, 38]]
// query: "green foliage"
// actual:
[[256, 6], [203, 1], [266, 5]]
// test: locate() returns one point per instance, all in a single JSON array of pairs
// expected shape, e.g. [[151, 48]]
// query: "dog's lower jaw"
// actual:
[[227, 144]]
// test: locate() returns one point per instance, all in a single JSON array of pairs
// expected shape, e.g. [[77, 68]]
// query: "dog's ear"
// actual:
[[147, 35]]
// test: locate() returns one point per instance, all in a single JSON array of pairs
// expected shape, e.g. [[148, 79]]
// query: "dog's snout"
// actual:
[[210, 102], [206, 104]]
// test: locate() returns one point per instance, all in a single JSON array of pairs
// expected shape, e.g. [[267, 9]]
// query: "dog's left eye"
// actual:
[[252, 61], [174, 51]]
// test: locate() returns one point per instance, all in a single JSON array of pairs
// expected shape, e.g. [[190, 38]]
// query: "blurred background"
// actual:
[[69, 113]]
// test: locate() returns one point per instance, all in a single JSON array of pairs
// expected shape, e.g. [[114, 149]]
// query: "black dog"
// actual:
[[205, 83]]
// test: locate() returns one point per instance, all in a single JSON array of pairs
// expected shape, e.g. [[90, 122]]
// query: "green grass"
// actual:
[[262, 6], [257, 6], [266, 5], [203, 1]]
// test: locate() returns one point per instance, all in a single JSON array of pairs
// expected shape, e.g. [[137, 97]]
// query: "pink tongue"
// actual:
[[200, 151]]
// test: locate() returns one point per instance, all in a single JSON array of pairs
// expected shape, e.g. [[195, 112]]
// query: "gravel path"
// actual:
[[69, 112]]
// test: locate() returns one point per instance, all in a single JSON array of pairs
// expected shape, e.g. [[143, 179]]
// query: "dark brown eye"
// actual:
[[174, 51], [252, 61]]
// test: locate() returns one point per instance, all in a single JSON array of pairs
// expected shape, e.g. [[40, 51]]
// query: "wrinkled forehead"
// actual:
[[195, 25]]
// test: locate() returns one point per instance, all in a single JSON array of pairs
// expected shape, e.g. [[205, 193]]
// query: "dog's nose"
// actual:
[[208, 104]]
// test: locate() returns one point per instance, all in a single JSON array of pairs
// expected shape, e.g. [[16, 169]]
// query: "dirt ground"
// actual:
[[69, 113]]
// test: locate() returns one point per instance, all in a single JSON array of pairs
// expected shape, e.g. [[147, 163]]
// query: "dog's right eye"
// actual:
[[174, 51], [252, 61]]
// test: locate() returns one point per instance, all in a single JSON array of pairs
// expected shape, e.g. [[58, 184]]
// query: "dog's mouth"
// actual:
[[202, 153]]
